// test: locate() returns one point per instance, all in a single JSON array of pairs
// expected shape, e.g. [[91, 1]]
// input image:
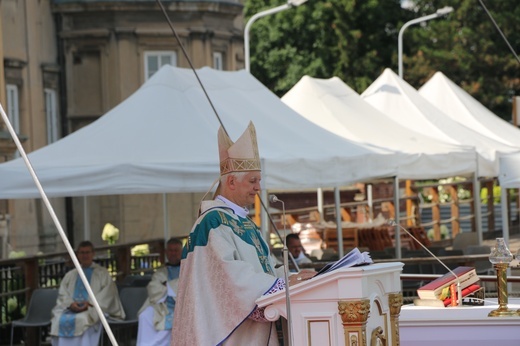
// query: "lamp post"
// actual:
[[440, 12], [289, 4]]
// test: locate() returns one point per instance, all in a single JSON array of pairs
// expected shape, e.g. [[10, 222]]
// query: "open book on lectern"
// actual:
[[352, 259]]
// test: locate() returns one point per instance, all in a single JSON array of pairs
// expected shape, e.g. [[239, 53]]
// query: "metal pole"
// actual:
[[248, 27], [289, 4], [437, 14]]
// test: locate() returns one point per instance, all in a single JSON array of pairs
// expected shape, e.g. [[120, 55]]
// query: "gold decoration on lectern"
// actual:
[[378, 337], [354, 315], [395, 301]]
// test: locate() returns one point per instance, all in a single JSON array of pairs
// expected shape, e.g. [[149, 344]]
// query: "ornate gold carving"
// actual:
[[355, 311], [354, 315], [378, 337], [395, 301]]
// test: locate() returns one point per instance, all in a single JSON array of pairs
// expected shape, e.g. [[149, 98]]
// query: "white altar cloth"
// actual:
[[458, 326]]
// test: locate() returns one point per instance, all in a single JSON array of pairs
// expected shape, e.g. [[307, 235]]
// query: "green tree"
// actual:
[[352, 40], [356, 40], [468, 49]]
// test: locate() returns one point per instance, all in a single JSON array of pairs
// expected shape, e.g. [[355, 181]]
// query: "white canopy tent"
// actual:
[[401, 102], [333, 105], [509, 178], [163, 138], [462, 107], [456, 103]]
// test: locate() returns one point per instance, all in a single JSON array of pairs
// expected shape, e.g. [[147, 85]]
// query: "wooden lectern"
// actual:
[[356, 306]]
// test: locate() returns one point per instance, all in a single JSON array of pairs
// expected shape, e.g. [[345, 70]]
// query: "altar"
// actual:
[[355, 306], [458, 326]]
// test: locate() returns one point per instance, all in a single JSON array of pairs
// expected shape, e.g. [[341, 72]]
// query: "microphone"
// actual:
[[274, 199], [391, 222]]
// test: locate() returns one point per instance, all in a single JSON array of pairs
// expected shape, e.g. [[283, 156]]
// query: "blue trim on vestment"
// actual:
[[67, 325], [244, 228], [173, 272]]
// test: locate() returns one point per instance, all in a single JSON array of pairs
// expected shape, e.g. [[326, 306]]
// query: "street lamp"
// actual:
[[289, 4], [441, 12]]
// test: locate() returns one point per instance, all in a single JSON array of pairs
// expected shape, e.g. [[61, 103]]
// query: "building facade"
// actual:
[[68, 62]]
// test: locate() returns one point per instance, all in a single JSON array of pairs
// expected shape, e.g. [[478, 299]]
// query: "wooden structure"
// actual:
[[374, 238]]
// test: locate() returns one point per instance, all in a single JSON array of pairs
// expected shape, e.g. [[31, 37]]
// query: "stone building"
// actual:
[[68, 62]]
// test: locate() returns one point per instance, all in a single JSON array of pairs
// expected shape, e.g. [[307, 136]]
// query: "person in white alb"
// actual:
[[75, 321], [156, 315]]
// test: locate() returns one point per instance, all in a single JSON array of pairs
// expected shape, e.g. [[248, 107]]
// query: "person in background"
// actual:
[[156, 315], [75, 321], [294, 245], [226, 263]]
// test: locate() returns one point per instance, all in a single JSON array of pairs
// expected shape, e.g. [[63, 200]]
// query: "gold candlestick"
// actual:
[[500, 257]]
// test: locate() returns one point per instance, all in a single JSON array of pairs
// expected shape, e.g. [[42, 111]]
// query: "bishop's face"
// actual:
[[245, 188]]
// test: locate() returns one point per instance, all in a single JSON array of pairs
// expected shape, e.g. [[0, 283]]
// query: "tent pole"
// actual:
[[478, 208], [397, 213], [505, 214], [86, 218], [370, 201], [337, 204], [264, 218], [166, 218], [319, 195]]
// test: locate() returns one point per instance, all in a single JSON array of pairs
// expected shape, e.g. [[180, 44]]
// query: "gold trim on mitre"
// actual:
[[241, 156]]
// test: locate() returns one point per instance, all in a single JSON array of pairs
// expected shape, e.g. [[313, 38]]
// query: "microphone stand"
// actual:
[[286, 276], [392, 222], [291, 257]]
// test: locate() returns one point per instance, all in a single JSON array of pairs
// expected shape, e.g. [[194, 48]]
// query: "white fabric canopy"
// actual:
[[456, 103], [163, 138], [400, 101], [509, 176], [333, 105], [463, 108]]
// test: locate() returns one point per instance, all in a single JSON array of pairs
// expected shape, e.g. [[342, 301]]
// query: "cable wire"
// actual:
[[500, 31]]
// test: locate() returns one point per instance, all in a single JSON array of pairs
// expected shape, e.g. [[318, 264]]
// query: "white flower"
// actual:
[[140, 250], [110, 233]]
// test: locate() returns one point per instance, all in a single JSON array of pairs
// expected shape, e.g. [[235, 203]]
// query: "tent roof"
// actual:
[[163, 138], [456, 103], [333, 105], [400, 101]]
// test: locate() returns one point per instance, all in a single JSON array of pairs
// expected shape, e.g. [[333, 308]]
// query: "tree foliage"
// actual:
[[353, 40], [469, 50], [356, 40]]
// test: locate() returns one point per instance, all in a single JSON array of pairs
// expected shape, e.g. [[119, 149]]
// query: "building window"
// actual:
[[153, 61], [13, 110], [218, 61], [51, 114]]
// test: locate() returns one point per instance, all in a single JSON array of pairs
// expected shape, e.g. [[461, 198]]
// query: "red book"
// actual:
[[465, 292], [466, 275]]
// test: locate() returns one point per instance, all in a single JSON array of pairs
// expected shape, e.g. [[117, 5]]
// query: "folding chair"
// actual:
[[39, 311], [132, 299]]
